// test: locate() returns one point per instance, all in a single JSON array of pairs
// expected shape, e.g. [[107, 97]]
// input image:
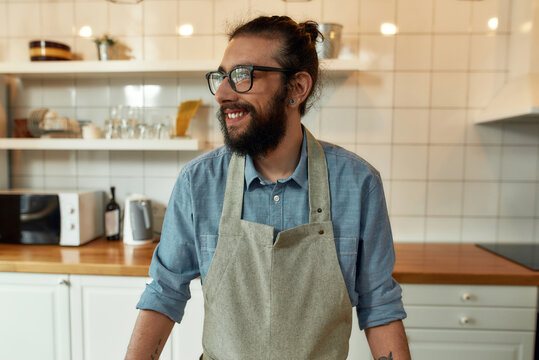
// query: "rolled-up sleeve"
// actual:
[[174, 262], [380, 299]]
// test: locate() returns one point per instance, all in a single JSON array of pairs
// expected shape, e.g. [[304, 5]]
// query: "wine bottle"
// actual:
[[112, 218]]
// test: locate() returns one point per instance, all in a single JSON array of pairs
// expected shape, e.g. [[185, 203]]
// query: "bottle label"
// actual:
[[112, 225]]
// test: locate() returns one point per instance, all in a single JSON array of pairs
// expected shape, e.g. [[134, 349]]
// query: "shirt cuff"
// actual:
[[152, 300], [381, 314]]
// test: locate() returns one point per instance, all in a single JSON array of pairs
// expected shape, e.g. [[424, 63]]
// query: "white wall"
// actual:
[[409, 111]]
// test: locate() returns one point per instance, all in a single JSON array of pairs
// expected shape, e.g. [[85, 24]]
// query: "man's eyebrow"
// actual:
[[221, 69]]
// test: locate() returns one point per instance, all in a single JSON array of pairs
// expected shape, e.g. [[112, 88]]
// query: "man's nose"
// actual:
[[225, 93]]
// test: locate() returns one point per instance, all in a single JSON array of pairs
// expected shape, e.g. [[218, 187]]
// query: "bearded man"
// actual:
[[287, 233]]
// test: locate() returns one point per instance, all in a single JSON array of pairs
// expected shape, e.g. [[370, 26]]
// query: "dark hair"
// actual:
[[298, 50]]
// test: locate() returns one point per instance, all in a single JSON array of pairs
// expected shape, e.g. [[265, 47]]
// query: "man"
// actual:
[[286, 233]]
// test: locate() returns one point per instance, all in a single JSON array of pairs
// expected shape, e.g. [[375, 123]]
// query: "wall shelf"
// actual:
[[177, 144], [122, 68]]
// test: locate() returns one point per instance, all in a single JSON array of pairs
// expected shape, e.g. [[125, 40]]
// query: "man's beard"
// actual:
[[264, 131]]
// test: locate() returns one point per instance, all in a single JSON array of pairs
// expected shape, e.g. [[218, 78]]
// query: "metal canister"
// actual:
[[330, 47]]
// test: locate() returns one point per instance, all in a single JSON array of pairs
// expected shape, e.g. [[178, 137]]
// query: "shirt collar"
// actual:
[[299, 175]]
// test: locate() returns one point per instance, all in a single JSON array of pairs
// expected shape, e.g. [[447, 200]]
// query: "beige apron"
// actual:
[[283, 300]]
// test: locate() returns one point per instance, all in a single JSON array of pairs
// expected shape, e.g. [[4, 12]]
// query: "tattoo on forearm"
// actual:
[[156, 352], [389, 357]]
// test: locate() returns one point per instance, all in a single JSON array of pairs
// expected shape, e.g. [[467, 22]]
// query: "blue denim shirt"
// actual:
[[360, 222]]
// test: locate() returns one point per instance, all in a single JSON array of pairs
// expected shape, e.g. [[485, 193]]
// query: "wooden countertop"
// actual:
[[416, 262], [98, 257]]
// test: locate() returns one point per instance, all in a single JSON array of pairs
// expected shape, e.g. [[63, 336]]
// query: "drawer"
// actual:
[[436, 344], [469, 295], [461, 317]]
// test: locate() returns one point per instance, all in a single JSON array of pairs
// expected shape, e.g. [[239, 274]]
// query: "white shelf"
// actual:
[[177, 144], [122, 68]]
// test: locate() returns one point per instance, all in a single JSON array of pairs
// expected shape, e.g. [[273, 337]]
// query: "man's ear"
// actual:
[[299, 88]]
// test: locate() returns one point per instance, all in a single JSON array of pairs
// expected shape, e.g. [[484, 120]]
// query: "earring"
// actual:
[[292, 101]]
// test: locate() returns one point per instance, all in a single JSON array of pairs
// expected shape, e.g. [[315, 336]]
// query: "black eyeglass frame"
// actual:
[[251, 68]]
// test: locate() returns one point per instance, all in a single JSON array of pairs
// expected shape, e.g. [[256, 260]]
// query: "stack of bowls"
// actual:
[[43, 50]]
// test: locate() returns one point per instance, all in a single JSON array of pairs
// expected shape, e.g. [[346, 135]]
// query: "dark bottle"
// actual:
[[112, 218]]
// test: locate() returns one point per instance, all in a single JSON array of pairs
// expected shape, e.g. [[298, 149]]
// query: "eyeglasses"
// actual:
[[240, 77]]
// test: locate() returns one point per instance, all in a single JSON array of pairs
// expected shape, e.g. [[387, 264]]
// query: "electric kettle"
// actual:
[[138, 220]]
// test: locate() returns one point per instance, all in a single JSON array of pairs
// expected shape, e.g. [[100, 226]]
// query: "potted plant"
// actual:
[[104, 44]]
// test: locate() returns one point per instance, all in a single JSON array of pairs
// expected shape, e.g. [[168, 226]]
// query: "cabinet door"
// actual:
[[470, 344], [34, 313], [187, 336], [359, 347], [104, 314]]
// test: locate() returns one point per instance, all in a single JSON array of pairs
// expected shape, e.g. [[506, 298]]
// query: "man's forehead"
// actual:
[[250, 50]]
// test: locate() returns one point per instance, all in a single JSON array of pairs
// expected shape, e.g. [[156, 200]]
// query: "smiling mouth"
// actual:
[[235, 115]]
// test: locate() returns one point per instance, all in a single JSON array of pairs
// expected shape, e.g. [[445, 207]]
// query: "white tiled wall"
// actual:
[[409, 111]]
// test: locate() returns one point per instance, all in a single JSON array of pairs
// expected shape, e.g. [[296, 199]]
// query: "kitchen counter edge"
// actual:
[[419, 263]]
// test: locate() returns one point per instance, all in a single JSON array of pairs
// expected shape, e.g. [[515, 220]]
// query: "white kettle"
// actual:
[[138, 220]]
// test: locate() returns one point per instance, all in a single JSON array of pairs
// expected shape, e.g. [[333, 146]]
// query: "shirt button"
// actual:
[[276, 198]]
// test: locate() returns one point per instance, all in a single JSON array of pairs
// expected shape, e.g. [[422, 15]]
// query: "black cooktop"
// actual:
[[523, 254]]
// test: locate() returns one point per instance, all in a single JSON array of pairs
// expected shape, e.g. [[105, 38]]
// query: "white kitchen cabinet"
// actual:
[[186, 337], [443, 344], [103, 314], [468, 322], [83, 317], [34, 317]]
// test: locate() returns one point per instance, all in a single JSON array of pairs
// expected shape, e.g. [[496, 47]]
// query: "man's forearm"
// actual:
[[388, 342], [149, 336]]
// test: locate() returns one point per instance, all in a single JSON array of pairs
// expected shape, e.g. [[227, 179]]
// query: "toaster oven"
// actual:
[[69, 218]]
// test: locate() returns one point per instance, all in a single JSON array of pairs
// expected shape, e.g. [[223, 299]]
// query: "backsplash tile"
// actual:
[[443, 229], [373, 13], [412, 89], [160, 17], [446, 162], [92, 14], [413, 52], [415, 16], [448, 90], [452, 16], [444, 198], [409, 162], [23, 19], [450, 52], [410, 126], [56, 19], [484, 11], [409, 111], [198, 13], [517, 199]]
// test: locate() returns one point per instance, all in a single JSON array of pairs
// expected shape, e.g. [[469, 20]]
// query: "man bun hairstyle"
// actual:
[[298, 50]]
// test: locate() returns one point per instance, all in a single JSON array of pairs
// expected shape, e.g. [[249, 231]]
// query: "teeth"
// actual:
[[235, 115]]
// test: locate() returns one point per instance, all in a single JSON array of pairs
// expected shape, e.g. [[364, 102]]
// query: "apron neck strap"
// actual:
[[233, 203], [319, 201]]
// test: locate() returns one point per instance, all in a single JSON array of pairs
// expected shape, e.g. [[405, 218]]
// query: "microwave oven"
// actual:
[[68, 218]]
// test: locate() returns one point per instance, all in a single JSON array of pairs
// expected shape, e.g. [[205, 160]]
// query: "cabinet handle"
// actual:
[[64, 282], [466, 297], [465, 320]]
